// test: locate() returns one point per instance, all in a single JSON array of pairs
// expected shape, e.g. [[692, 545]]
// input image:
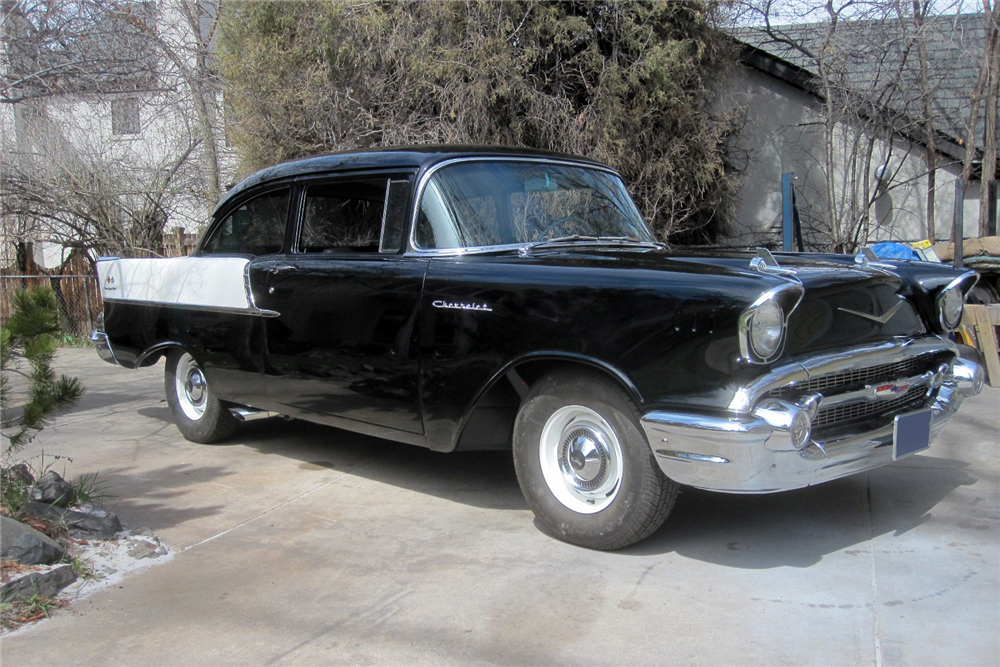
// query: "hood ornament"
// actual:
[[765, 262]]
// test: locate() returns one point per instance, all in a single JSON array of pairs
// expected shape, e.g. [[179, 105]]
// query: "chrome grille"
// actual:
[[856, 378], [861, 409]]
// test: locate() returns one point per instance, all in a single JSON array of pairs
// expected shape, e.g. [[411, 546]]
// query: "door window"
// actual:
[[255, 228], [345, 216]]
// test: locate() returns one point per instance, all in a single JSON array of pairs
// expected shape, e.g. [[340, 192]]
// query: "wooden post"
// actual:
[[982, 320]]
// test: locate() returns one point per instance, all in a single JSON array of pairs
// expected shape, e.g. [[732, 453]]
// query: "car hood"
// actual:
[[843, 303]]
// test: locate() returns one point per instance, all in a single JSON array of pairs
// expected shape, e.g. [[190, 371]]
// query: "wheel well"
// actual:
[[490, 423], [152, 354], [533, 370]]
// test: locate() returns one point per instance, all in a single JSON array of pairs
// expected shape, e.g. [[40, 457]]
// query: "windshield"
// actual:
[[475, 204]]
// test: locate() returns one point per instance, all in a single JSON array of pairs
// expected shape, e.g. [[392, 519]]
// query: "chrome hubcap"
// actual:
[[584, 458], [581, 459], [195, 386], [191, 387]]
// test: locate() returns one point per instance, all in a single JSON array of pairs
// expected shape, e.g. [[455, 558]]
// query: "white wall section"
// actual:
[[216, 282]]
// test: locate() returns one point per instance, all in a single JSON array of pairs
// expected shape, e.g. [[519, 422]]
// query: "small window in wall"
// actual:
[[255, 228], [125, 116], [343, 217]]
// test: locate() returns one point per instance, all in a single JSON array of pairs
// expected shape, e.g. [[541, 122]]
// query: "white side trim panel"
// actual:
[[216, 282]]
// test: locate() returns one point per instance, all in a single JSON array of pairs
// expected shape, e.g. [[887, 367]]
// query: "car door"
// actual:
[[227, 341], [347, 299]]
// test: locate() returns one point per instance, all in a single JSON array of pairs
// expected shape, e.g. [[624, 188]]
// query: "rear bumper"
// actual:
[[103, 347], [754, 452]]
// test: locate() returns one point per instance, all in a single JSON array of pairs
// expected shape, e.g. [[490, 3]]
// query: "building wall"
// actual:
[[75, 133], [785, 132]]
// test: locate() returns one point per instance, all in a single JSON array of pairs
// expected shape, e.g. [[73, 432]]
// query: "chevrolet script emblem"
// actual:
[[875, 318]]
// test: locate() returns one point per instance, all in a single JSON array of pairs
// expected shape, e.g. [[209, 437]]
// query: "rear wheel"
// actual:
[[584, 465], [199, 415]]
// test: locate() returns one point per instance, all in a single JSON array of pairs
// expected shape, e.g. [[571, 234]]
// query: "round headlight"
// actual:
[[950, 304], [766, 327]]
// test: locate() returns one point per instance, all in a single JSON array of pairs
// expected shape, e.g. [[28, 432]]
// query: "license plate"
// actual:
[[911, 433]]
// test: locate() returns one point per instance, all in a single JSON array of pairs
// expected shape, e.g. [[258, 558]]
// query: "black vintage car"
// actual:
[[468, 298]]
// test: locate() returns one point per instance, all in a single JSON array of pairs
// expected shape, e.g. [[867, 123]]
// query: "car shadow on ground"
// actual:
[[795, 528], [483, 479], [798, 528]]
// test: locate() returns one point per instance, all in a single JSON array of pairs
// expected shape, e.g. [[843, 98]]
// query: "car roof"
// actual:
[[399, 157]]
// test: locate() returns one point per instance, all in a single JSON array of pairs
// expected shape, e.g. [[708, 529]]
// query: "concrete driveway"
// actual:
[[304, 545]]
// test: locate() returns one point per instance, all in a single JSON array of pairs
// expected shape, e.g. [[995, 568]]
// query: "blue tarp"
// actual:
[[894, 251]]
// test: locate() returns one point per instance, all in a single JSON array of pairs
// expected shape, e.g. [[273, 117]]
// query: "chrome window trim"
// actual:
[[746, 397], [425, 177], [743, 324], [954, 284]]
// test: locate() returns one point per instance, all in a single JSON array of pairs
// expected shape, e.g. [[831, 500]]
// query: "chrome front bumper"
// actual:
[[103, 347], [752, 450]]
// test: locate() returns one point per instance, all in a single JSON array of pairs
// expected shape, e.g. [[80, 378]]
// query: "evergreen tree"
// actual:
[[29, 334], [627, 83]]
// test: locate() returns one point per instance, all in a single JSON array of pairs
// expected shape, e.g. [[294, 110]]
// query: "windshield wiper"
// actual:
[[589, 240]]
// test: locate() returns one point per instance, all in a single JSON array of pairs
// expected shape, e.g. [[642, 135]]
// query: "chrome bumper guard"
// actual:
[[103, 347], [760, 446]]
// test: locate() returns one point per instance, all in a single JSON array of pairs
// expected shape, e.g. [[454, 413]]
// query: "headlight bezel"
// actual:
[[957, 288], [785, 298]]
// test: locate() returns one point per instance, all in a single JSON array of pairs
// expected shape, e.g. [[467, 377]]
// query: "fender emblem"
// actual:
[[462, 306], [875, 318]]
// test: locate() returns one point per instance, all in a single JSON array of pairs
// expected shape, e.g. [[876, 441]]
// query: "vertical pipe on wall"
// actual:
[[991, 220], [958, 229], [786, 211]]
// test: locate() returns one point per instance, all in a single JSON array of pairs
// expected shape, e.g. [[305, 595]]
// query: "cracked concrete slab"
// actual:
[[299, 545]]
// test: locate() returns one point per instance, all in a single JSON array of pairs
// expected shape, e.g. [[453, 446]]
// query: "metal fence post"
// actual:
[[86, 298]]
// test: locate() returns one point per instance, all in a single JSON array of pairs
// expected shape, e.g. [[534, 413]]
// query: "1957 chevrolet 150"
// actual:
[[471, 298]]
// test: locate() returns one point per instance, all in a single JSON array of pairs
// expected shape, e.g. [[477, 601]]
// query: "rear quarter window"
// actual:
[[255, 228]]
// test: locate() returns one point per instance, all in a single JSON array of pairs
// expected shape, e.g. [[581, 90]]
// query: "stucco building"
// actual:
[[873, 156]]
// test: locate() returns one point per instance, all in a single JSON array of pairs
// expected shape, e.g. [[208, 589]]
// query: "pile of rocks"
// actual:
[[41, 568]]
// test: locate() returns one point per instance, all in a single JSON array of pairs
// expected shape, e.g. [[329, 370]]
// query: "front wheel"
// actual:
[[199, 415], [584, 465]]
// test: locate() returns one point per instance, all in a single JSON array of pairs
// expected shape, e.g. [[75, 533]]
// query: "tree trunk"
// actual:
[[927, 97], [976, 100], [990, 130]]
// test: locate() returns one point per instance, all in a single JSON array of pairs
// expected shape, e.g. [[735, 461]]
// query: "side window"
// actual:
[[345, 216], [255, 228]]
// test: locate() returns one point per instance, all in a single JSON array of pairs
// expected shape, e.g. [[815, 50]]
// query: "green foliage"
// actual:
[[82, 570], [30, 334], [17, 611], [628, 83], [89, 489], [14, 495], [70, 340]]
